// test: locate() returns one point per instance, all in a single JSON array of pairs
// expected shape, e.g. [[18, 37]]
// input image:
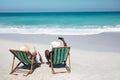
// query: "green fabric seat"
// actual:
[[23, 56], [60, 55]]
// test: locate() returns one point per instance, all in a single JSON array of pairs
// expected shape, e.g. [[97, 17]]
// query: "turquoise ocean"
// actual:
[[60, 23]]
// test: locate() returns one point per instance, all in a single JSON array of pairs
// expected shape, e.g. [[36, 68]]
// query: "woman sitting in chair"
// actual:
[[37, 55]]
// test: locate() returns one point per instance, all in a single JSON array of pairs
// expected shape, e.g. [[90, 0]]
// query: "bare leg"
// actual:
[[42, 62], [47, 55]]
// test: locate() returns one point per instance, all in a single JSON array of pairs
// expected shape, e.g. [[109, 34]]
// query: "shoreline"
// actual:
[[93, 57], [108, 40], [59, 29]]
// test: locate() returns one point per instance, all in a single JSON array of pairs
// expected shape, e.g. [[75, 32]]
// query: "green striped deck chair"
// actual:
[[59, 56], [22, 56]]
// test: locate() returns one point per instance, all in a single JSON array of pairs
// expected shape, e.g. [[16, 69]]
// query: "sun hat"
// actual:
[[25, 48]]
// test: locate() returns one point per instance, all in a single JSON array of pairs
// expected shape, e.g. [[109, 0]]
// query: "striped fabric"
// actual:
[[59, 55], [23, 57]]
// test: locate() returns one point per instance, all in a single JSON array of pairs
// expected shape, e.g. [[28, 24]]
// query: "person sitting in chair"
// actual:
[[54, 44], [35, 53]]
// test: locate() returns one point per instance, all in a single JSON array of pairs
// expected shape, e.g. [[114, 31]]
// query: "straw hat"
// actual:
[[25, 48]]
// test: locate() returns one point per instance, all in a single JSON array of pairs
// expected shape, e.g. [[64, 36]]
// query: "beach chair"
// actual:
[[22, 56], [60, 55]]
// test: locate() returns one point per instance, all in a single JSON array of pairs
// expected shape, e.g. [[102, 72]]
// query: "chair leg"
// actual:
[[69, 64], [27, 74], [32, 65], [68, 67], [13, 69], [12, 64]]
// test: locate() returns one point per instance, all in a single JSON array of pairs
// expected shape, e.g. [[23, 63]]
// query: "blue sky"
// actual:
[[59, 5]]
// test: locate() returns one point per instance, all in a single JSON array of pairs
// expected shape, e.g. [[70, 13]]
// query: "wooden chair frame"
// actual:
[[14, 68]]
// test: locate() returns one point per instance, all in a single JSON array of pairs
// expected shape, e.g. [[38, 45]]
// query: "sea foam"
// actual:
[[57, 30]]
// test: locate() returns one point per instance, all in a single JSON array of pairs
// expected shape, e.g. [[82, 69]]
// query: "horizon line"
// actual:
[[59, 10]]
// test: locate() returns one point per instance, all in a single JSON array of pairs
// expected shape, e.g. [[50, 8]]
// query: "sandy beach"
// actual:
[[93, 57]]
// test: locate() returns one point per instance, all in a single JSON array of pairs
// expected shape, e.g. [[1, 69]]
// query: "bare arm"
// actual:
[[64, 43]]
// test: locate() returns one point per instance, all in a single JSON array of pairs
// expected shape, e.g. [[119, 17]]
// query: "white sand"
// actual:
[[93, 57]]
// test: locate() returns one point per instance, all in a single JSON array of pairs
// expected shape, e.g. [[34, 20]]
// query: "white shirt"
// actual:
[[54, 44]]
